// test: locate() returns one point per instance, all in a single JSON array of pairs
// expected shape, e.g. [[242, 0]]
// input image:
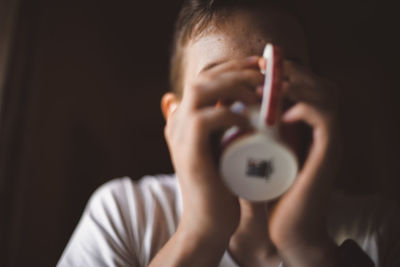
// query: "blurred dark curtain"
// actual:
[[81, 106], [81, 92]]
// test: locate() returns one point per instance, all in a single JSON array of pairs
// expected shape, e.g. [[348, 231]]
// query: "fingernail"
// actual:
[[262, 63]]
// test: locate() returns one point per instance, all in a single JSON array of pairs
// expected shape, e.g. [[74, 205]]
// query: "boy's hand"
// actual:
[[296, 222], [210, 212], [208, 207]]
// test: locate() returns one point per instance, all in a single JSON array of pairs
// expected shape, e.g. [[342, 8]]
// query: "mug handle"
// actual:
[[272, 85]]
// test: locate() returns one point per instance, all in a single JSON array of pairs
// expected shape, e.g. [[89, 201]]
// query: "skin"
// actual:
[[219, 65]]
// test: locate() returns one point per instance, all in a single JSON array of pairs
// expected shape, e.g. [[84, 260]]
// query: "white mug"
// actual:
[[258, 166]]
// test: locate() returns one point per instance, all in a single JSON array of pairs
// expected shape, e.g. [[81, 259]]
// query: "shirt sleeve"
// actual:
[[125, 223], [104, 235]]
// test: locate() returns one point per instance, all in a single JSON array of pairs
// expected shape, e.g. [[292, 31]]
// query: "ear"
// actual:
[[169, 102]]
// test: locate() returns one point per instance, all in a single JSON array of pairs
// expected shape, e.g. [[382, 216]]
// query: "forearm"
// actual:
[[328, 254], [321, 253], [191, 249], [312, 255]]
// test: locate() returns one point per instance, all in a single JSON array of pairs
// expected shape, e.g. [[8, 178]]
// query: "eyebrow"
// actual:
[[215, 63], [212, 65]]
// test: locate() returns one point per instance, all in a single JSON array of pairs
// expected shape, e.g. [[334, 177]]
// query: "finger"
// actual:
[[227, 87], [313, 183], [300, 93], [318, 120], [221, 118], [262, 64], [299, 74], [306, 113], [300, 77]]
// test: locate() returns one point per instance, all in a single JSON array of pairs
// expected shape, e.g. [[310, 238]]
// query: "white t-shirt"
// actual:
[[126, 223]]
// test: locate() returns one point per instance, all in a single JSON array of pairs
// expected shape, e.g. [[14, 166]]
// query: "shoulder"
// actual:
[[126, 222], [167, 183], [131, 195], [143, 201], [388, 233], [147, 210], [372, 221]]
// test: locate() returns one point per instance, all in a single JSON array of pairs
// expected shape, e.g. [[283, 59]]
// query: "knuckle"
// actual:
[[302, 107]]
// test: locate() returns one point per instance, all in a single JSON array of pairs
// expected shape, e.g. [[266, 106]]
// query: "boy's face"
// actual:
[[242, 34]]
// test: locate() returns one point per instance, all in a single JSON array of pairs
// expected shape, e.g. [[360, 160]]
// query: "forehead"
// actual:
[[218, 47], [242, 34]]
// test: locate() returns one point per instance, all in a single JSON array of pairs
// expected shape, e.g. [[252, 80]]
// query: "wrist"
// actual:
[[219, 218], [211, 243], [204, 231], [191, 248]]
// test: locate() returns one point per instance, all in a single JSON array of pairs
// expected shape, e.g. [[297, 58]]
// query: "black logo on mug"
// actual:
[[259, 168]]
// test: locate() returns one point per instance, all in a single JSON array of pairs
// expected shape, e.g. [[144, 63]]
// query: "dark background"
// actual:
[[81, 100]]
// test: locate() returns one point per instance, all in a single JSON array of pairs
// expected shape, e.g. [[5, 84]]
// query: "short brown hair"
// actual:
[[196, 15]]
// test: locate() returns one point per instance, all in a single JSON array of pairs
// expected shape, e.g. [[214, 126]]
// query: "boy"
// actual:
[[198, 222]]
